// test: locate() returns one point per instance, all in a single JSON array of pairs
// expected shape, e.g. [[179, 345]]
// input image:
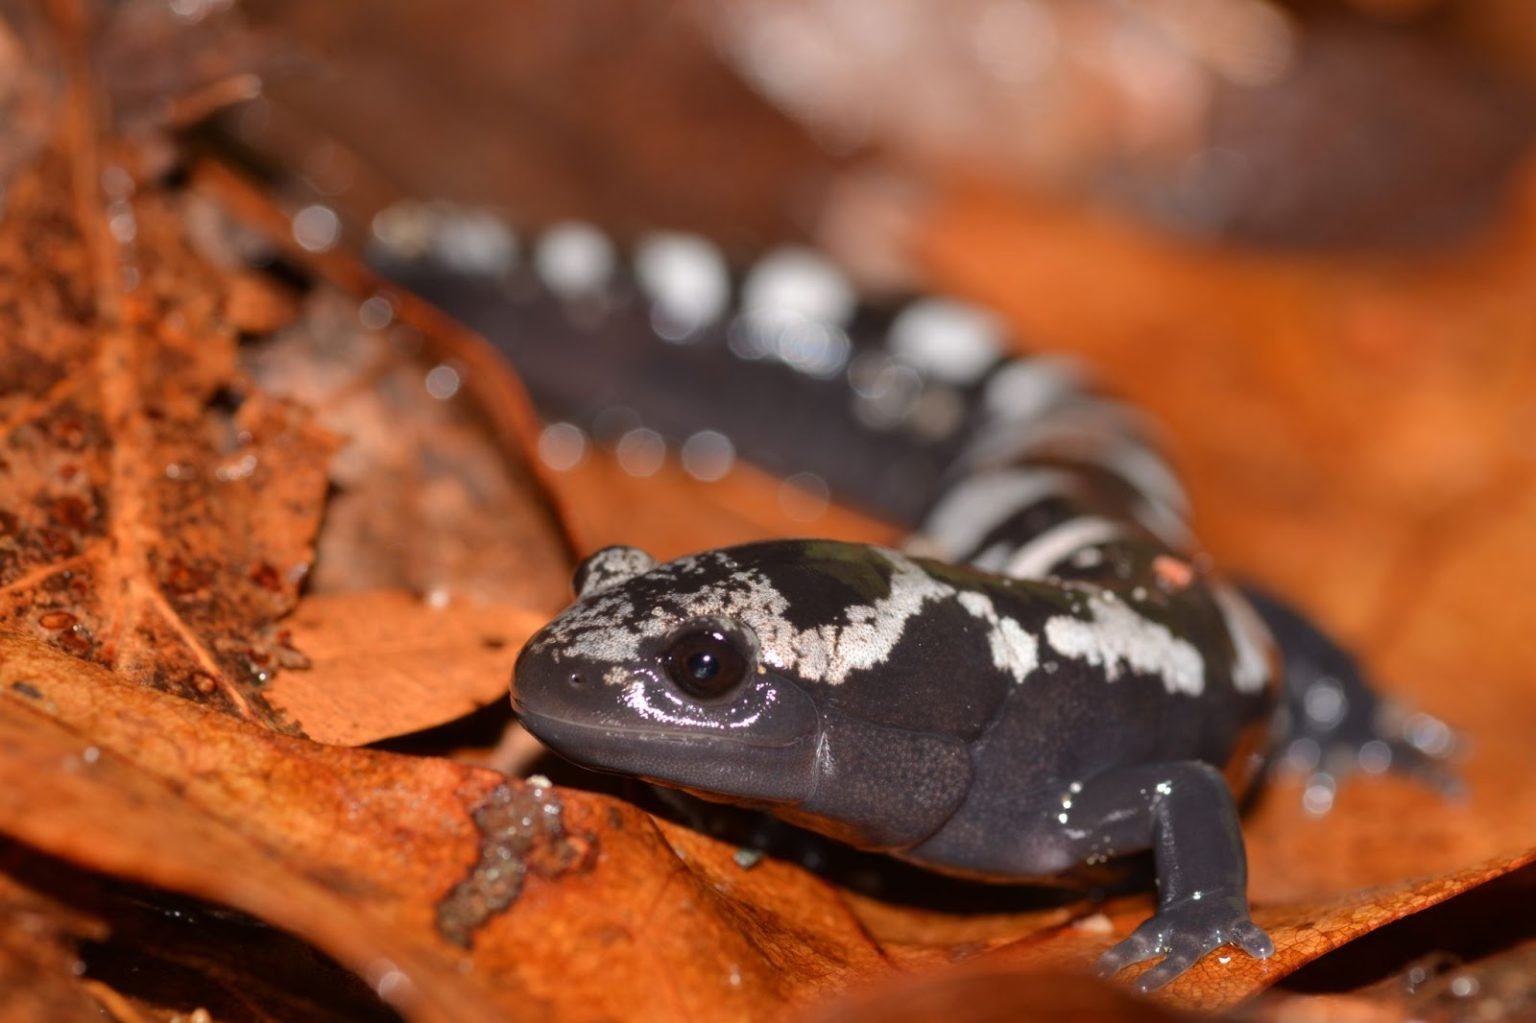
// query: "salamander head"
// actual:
[[673, 672], [795, 675]]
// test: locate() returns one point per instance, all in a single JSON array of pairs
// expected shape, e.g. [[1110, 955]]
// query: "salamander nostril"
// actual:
[[576, 680]]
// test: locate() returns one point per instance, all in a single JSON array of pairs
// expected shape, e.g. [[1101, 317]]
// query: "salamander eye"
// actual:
[[707, 658]]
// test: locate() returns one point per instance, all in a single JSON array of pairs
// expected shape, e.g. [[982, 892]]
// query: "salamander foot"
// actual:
[[1185, 932]]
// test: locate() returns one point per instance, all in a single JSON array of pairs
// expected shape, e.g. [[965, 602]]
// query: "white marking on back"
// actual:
[[1035, 559], [993, 558], [831, 652], [1163, 522], [1251, 641], [574, 259], [685, 275], [475, 242], [1024, 390], [951, 341], [979, 504], [1013, 650], [1118, 637], [1144, 469], [792, 282], [1095, 432], [1073, 422]]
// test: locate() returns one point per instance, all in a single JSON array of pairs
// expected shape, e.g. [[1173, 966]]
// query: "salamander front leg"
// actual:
[[1185, 814]]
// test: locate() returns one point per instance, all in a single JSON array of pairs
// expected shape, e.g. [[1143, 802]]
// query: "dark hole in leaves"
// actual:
[[479, 729], [182, 954], [226, 400]]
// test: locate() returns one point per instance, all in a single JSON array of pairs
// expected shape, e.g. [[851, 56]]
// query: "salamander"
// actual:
[[1048, 674]]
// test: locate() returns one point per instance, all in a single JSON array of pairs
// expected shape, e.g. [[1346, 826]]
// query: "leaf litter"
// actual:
[[165, 515], [133, 456]]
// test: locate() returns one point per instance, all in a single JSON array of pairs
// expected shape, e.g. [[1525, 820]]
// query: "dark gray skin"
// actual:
[[976, 724]]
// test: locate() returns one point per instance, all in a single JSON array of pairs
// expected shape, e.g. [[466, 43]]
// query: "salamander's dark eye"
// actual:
[[707, 658]]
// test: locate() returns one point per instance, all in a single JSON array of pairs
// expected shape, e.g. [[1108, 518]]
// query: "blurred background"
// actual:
[[1353, 124], [1323, 207]]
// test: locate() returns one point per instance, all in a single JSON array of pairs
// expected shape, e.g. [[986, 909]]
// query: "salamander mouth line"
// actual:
[[544, 724]]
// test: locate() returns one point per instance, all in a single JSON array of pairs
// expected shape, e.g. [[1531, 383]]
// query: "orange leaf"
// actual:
[[383, 663], [160, 513]]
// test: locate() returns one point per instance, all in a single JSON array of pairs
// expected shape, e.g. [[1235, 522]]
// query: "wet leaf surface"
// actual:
[[133, 451]]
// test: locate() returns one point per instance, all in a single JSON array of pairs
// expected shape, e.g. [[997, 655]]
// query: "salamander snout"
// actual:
[[537, 677]]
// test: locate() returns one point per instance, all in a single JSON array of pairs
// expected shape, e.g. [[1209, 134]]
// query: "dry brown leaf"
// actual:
[[1438, 989], [162, 512], [106, 812], [672, 513], [384, 663], [1307, 931], [1071, 938], [990, 995], [434, 500]]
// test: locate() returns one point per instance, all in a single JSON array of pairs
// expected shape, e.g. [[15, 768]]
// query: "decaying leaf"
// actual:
[[434, 519], [163, 507], [430, 494], [160, 513]]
